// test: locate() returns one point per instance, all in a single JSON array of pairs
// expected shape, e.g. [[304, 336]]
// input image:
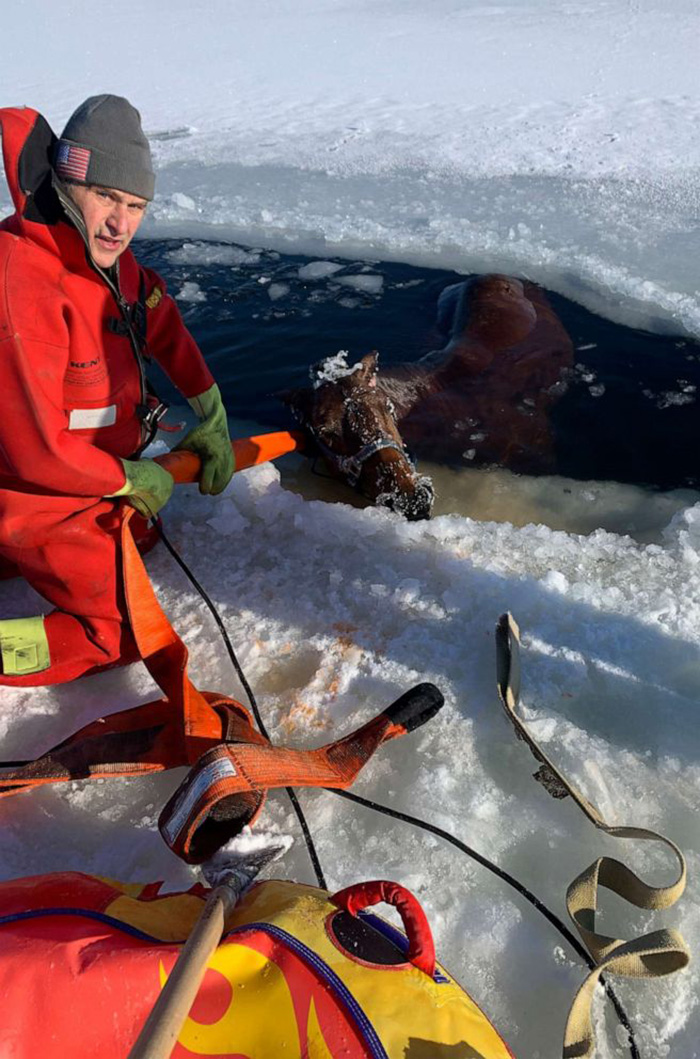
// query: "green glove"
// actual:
[[211, 441], [148, 486]]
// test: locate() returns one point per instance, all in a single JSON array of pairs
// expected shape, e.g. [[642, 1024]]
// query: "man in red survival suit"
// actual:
[[78, 317]]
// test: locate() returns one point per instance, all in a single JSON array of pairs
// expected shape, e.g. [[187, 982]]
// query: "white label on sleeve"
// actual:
[[91, 418]]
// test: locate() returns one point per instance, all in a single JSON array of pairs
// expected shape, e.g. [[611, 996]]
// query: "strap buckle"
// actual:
[[151, 414]]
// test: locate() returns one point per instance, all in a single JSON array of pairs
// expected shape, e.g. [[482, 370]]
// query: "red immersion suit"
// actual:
[[72, 395]]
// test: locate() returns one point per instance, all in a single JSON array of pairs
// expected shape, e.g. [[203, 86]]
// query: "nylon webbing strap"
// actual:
[[224, 790], [163, 734], [133, 742], [163, 652], [653, 955], [233, 764]]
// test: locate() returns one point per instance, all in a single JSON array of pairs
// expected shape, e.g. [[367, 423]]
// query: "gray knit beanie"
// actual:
[[103, 143]]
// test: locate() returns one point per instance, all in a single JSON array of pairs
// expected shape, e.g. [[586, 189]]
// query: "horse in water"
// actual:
[[353, 425], [482, 399]]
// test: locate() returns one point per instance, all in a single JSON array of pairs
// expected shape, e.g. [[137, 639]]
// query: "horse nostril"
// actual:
[[420, 507], [423, 499], [414, 506]]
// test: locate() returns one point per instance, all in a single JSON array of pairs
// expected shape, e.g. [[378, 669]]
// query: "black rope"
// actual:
[[521, 889], [313, 854]]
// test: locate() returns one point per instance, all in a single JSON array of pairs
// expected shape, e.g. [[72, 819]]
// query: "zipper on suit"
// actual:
[[122, 304]]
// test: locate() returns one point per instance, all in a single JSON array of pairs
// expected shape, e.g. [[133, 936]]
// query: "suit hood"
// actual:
[[28, 145]]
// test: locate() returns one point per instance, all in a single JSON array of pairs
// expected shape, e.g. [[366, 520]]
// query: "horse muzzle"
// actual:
[[415, 505]]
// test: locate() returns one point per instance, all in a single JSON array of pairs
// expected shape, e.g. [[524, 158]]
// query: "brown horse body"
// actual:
[[482, 399]]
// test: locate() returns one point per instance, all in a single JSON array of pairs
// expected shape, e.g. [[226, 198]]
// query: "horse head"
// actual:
[[353, 425]]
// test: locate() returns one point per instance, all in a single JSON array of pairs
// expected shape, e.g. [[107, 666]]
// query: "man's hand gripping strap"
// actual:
[[226, 788], [650, 956]]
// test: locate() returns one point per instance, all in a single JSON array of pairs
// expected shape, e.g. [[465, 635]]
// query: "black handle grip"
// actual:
[[416, 706]]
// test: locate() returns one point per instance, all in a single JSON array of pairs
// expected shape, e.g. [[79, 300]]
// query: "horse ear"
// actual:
[[317, 370], [368, 368]]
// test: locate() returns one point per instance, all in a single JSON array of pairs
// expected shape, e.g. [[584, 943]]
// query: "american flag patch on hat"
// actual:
[[72, 162]]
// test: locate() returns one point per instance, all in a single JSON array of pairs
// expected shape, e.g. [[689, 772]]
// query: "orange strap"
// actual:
[[234, 765], [166, 733], [163, 652], [225, 789]]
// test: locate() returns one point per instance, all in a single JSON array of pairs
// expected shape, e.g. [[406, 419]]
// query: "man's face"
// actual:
[[111, 218]]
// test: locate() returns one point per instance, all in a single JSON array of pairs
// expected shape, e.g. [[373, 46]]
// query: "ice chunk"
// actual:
[[191, 292], [277, 290], [228, 519], [367, 283], [318, 270], [334, 368], [556, 581], [201, 253], [183, 201]]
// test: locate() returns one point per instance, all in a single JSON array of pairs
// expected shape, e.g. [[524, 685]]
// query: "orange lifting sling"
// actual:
[[233, 765]]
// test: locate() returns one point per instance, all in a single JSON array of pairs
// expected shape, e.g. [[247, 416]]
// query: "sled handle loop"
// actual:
[[421, 947]]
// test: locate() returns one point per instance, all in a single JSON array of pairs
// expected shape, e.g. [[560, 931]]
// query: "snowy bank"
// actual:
[[559, 142]]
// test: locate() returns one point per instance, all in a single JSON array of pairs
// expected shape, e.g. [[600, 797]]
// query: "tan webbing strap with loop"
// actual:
[[653, 955]]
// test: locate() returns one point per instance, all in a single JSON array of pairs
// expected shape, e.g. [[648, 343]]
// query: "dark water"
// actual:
[[629, 414]]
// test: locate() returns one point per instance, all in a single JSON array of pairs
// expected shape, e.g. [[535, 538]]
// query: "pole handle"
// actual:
[[162, 1027], [185, 466]]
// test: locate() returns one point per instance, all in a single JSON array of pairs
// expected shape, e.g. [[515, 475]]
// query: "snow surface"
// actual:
[[555, 140]]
